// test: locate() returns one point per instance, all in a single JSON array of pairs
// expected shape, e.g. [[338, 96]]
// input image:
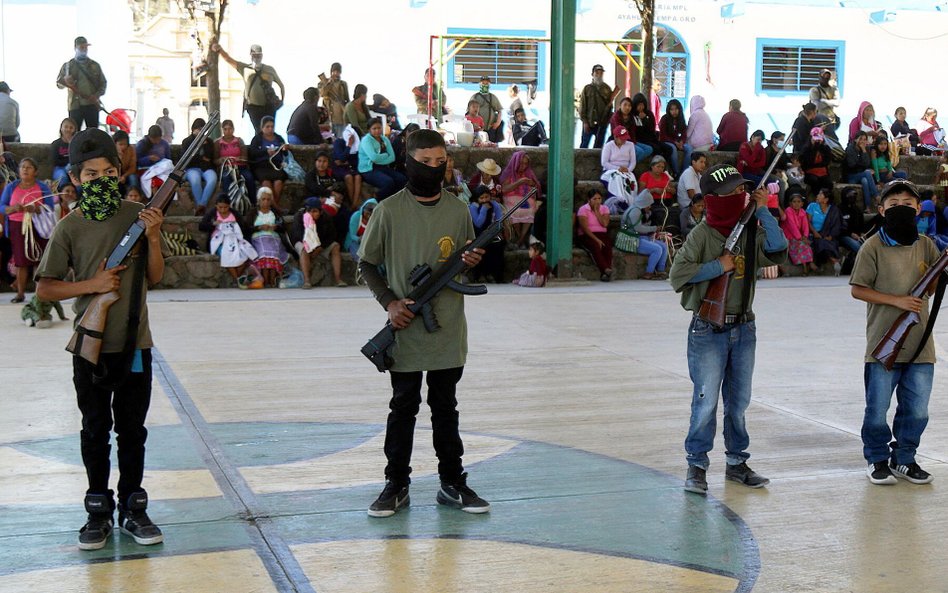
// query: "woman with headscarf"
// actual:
[[673, 132], [865, 121], [700, 130], [518, 179], [815, 161]]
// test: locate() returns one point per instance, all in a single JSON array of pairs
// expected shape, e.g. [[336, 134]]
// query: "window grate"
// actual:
[[505, 62], [794, 68]]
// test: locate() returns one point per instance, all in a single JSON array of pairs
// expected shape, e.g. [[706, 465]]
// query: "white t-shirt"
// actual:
[[688, 180]]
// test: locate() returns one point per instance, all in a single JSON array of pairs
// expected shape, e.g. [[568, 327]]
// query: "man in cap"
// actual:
[[259, 97], [86, 83], [825, 96], [335, 93], [724, 356], [490, 109], [9, 115], [117, 391], [595, 108]]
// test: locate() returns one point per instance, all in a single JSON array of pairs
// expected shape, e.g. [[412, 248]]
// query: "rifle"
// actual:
[[428, 283], [86, 341], [713, 305], [891, 344]]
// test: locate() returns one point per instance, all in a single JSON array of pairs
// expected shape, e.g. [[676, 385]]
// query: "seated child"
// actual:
[[536, 275], [795, 171], [472, 116]]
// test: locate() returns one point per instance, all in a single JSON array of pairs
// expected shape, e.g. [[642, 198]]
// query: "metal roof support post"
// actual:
[[562, 129]]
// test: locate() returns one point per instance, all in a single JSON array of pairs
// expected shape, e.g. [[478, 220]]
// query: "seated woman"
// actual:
[[815, 161], [153, 160], [201, 174], [673, 131], [267, 240], [66, 202], [865, 121], [826, 224], [634, 220], [802, 126], [484, 211], [19, 197], [319, 180], [859, 168], [266, 158], [618, 170], [380, 104], [622, 118], [133, 194], [905, 136], [454, 181], [227, 237], [357, 224], [232, 149], [700, 130], [795, 224], [517, 180], [931, 136], [592, 221], [854, 223], [752, 158], [882, 169], [60, 151], [345, 168], [644, 127], [376, 156], [488, 176], [656, 183], [128, 174], [313, 235]]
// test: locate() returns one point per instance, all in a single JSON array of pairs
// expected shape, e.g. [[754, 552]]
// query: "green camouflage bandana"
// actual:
[[99, 199]]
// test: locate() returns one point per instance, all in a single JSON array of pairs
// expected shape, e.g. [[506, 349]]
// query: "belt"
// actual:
[[734, 319]]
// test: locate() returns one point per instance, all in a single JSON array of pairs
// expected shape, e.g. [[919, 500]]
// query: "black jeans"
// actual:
[[256, 113], [86, 113], [128, 405], [400, 429]]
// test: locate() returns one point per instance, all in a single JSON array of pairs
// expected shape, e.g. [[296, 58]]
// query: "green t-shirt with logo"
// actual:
[[894, 269], [81, 244], [401, 234]]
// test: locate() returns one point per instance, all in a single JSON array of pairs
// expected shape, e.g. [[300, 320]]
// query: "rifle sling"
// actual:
[[750, 264], [111, 377], [936, 305]]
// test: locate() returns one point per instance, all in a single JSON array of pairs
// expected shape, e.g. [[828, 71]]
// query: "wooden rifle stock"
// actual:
[[891, 344], [86, 341], [714, 304]]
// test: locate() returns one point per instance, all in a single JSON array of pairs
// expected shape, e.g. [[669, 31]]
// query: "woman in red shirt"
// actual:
[[656, 182], [19, 197], [752, 158]]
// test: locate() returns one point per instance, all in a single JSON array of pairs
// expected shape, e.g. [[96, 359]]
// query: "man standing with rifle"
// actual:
[[86, 83], [121, 381], [422, 224], [885, 276], [721, 347]]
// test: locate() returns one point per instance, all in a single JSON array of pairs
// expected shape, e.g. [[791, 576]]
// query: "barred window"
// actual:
[[504, 61], [791, 67]]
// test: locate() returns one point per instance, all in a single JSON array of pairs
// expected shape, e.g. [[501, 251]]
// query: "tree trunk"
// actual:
[[647, 13], [213, 64]]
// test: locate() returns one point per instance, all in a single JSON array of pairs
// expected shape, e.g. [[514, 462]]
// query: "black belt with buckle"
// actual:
[[735, 319]]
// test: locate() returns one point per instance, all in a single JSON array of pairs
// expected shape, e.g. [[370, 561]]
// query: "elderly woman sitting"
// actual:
[[227, 237], [267, 240]]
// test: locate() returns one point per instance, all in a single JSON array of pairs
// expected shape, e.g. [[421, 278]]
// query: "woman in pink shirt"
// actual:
[[230, 147], [18, 198], [796, 227], [592, 220]]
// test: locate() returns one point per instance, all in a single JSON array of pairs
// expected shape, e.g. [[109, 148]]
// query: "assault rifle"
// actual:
[[428, 283], [714, 304], [86, 341], [891, 344]]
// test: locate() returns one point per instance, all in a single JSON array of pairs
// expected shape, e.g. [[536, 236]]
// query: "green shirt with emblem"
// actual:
[[81, 244], [705, 244], [894, 269], [401, 234]]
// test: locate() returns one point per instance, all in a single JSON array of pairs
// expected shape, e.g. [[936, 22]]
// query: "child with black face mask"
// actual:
[[887, 267]]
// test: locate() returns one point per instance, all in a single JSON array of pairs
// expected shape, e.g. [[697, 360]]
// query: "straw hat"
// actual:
[[489, 166]]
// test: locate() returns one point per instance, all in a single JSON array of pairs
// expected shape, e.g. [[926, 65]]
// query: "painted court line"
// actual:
[[280, 562]]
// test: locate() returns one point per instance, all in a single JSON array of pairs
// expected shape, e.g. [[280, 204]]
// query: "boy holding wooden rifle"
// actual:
[[121, 382], [724, 357], [887, 267]]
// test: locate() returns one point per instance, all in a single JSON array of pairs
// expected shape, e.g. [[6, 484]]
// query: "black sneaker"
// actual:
[[459, 496], [880, 474], [392, 498], [745, 475], [911, 472], [696, 480], [95, 533], [134, 521]]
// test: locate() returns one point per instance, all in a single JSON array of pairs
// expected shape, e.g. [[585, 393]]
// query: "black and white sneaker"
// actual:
[[460, 496], [911, 472], [134, 521], [95, 533], [744, 475], [880, 474], [392, 498]]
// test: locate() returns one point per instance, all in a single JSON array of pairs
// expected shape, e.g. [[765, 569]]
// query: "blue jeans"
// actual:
[[203, 184], [912, 384], [850, 243], [133, 181], [595, 132], [868, 183], [719, 362], [386, 181], [685, 163], [642, 151], [657, 253], [294, 139]]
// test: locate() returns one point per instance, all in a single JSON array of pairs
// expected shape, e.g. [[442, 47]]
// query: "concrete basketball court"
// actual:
[[265, 449]]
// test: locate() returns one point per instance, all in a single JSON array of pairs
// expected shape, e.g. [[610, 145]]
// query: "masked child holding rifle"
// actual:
[[887, 267], [118, 389], [724, 356]]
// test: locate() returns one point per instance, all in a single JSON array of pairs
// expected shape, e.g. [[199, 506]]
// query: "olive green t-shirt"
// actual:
[[401, 234], [704, 244], [894, 269], [81, 244]]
